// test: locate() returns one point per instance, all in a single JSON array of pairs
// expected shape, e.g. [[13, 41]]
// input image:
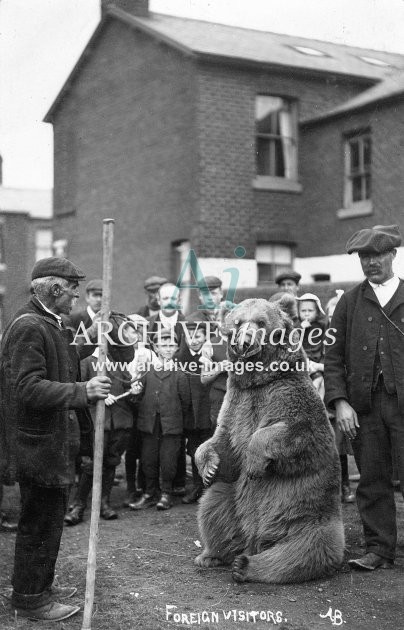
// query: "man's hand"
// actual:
[[110, 399], [136, 388], [346, 418], [98, 388]]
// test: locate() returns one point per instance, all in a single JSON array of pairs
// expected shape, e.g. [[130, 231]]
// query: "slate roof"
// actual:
[[383, 91], [237, 45]]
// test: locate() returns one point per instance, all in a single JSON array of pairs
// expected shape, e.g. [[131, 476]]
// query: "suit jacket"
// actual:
[[40, 388], [155, 322], [349, 362]]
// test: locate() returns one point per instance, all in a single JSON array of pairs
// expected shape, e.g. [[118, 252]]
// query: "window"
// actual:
[[43, 243], [2, 253], [60, 248], [276, 143], [272, 259], [357, 186]]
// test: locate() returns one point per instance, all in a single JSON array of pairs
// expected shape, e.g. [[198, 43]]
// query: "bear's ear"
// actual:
[[286, 302]]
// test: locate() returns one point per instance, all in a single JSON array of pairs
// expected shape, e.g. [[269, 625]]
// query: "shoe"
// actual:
[[178, 491], [165, 502], [5, 525], [192, 496], [347, 496], [106, 511], [62, 592], [371, 561], [145, 501], [52, 611], [75, 516], [396, 485], [130, 498]]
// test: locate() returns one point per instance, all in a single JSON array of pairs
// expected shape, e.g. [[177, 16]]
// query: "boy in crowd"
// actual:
[[197, 426], [164, 403]]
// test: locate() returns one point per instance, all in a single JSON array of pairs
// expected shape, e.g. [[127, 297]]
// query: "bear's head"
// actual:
[[260, 335]]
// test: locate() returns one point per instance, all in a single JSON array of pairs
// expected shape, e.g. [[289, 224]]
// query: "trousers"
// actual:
[[380, 430], [37, 543]]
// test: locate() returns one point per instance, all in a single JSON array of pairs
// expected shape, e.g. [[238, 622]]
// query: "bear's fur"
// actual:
[[273, 508]]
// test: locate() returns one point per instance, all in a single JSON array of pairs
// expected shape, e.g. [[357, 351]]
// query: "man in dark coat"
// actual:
[[151, 287], [210, 297], [43, 410], [364, 382]]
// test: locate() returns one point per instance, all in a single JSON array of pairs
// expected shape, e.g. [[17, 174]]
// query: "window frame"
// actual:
[[289, 181], [276, 266], [363, 206]]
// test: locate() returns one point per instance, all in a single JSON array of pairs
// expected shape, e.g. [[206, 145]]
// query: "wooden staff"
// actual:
[[108, 240]]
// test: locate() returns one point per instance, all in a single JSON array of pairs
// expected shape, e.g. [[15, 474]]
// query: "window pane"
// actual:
[[366, 151], [262, 145], [266, 272], [357, 189], [368, 189], [266, 105], [354, 154], [282, 255], [279, 167]]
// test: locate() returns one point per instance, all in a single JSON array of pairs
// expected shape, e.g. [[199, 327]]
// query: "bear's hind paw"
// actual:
[[206, 561], [239, 570]]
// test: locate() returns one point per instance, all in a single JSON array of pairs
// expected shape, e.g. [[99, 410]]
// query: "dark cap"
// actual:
[[288, 275], [165, 333], [212, 282], [59, 267], [193, 321], [375, 240], [94, 285], [154, 282]]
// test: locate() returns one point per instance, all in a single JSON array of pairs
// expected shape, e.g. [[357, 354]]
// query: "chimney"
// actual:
[[140, 8]]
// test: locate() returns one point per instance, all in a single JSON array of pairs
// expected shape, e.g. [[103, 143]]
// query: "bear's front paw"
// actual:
[[240, 567], [207, 461]]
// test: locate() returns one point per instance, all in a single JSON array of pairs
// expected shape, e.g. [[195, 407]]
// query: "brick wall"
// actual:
[[232, 212], [322, 151], [125, 148]]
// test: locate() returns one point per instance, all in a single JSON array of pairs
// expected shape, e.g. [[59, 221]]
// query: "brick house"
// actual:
[[25, 236], [211, 137]]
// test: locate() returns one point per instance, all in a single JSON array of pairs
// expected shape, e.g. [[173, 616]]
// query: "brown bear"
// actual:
[[273, 506]]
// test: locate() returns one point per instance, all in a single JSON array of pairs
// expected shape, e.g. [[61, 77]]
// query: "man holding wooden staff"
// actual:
[[44, 410]]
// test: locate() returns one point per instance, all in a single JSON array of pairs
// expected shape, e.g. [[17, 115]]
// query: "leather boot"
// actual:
[[106, 511], [75, 516]]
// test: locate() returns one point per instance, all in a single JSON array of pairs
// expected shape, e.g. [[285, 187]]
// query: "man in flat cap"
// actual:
[[288, 281], [43, 410], [93, 297], [364, 382], [151, 287], [210, 297]]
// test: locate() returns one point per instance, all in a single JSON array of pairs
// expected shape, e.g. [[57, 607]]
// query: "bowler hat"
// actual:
[[59, 267], [94, 285], [288, 275], [212, 282], [154, 282], [374, 240]]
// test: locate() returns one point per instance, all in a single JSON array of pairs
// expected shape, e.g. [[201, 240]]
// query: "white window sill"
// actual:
[[281, 184], [359, 209], [3, 266]]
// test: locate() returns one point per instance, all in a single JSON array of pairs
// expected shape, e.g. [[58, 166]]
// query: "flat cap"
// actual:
[[154, 282], [374, 240], [59, 267], [288, 275], [94, 285], [212, 282], [165, 333]]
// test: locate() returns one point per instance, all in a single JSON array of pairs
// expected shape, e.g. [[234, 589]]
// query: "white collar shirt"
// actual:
[[385, 291]]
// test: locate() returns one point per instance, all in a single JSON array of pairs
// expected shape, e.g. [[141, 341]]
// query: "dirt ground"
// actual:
[[146, 580]]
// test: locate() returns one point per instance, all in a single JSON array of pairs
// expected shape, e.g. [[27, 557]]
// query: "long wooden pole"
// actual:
[[108, 241]]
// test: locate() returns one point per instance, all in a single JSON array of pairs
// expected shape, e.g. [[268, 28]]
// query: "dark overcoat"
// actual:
[[198, 416], [349, 362], [41, 401], [165, 392]]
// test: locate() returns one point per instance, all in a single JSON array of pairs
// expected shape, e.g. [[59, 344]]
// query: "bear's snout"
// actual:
[[247, 340]]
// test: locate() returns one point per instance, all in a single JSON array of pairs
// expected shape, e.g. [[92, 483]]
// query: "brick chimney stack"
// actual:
[[139, 8]]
